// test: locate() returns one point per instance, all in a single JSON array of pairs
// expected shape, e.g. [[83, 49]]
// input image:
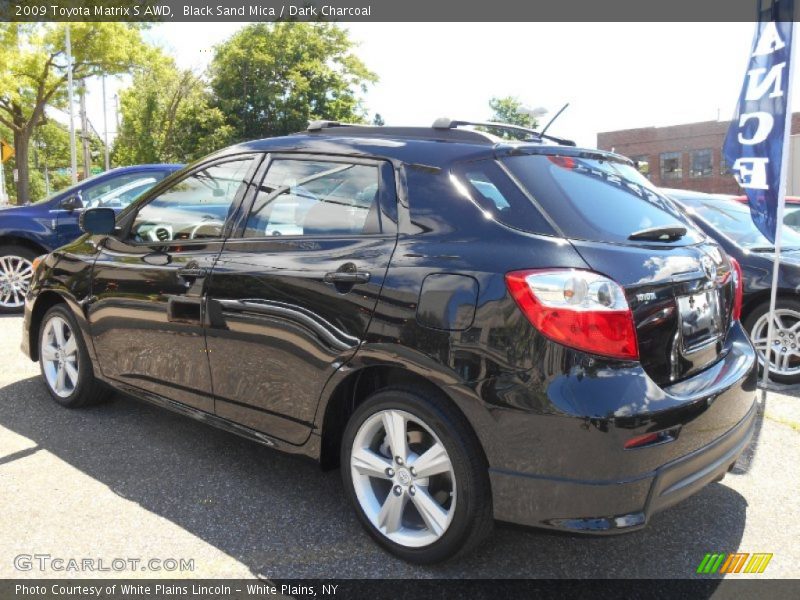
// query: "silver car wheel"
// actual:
[[403, 478], [784, 358], [59, 356], [15, 277]]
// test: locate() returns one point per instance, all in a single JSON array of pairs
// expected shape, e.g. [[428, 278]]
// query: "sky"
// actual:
[[614, 75]]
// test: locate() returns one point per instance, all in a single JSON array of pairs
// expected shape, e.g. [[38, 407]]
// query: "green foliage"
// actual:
[[167, 117], [510, 110], [272, 78], [33, 72]]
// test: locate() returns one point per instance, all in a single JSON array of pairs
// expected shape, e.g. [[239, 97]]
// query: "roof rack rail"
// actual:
[[424, 133], [323, 124], [444, 123]]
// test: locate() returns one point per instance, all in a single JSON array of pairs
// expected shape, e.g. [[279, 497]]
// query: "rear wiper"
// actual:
[[659, 234]]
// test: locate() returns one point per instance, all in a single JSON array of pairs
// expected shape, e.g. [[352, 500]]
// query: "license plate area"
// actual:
[[700, 321]]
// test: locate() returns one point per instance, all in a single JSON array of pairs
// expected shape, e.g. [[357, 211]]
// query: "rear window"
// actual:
[[597, 200]]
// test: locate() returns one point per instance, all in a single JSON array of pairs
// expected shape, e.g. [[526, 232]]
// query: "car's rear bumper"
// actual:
[[615, 506]]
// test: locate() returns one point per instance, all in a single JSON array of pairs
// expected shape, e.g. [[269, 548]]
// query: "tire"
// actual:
[[463, 494], [16, 271], [788, 312], [55, 357]]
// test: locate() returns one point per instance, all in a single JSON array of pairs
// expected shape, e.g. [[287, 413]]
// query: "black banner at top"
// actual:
[[380, 10]]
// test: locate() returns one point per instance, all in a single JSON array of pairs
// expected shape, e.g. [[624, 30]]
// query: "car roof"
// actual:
[[411, 145], [148, 167]]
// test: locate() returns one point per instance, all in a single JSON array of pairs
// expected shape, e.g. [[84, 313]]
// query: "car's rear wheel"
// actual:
[[16, 271], [784, 360], [64, 362], [416, 476]]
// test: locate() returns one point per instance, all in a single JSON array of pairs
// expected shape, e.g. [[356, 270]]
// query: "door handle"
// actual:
[[195, 272], [346, 277]]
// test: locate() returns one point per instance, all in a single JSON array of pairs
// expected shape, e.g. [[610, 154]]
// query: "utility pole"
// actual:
[[87, 159], [3, 195], [105, 125], [73, 151]]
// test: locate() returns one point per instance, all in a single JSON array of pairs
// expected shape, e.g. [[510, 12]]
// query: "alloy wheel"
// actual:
[[59, 355], [784, 358], [15, 277], [403, 478]]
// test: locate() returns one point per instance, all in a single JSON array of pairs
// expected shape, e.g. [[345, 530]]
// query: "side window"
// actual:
[[498, 196], [196, 207], [120, 197], [90, 195], [303, 197]]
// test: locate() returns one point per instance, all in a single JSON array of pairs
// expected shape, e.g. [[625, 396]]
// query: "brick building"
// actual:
[[680, 156]]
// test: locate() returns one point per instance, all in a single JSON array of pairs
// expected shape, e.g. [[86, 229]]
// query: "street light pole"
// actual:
[[73, 151], [105, 125], [87, 160]]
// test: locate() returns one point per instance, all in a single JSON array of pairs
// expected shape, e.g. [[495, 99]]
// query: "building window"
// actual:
[[643, 164], [671, 166], [700, 161]]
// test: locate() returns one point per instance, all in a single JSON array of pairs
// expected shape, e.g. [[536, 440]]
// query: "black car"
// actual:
[[474, 329], [730, 223]]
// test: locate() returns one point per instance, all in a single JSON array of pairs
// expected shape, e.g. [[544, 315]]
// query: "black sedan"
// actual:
[[730, 223]]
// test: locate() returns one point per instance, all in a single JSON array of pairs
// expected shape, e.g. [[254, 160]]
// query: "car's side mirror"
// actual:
[[72, 203], [98, 221]]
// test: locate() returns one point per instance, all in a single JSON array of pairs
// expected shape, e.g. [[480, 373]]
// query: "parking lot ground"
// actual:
[[128, 480]]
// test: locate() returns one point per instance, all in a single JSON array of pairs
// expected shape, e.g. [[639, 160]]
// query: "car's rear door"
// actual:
[[146, 311], [292, 295]]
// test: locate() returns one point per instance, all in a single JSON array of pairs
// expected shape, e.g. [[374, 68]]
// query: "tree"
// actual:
[[510, 110], [167, 117], [272, 78], [33, 72], [378, 120]]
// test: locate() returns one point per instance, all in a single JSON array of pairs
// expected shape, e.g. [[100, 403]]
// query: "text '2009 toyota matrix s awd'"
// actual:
[[471, 328]]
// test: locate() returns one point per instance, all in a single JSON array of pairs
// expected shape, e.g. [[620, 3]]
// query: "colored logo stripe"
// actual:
[[734, 563], [758, 563]]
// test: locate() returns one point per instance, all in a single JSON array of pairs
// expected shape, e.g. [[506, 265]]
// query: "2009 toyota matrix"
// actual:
[[472, 328]]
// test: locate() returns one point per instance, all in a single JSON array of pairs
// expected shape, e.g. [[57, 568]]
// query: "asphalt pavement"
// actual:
[[126, 480]]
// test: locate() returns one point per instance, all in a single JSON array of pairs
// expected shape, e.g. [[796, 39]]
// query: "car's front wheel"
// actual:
[[417, 478], [64, 361], [784, 361], [16, 271]]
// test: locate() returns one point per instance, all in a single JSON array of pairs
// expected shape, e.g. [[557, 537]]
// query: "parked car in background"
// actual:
[[730, 223], [791, 213], [31, 230], [473, 328]]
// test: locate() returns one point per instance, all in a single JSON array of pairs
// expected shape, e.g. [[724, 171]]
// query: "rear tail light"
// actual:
[[738, 289], [579, 309]]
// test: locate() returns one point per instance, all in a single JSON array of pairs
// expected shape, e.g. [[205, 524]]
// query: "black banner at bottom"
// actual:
[[388, 589]]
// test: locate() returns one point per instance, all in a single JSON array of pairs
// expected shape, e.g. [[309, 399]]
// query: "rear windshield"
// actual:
[[597, 200]]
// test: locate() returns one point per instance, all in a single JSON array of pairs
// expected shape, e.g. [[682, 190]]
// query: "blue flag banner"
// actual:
[[759, 133]]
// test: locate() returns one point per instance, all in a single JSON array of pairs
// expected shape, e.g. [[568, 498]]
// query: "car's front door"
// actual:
[[292, 295], [149, 282]]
